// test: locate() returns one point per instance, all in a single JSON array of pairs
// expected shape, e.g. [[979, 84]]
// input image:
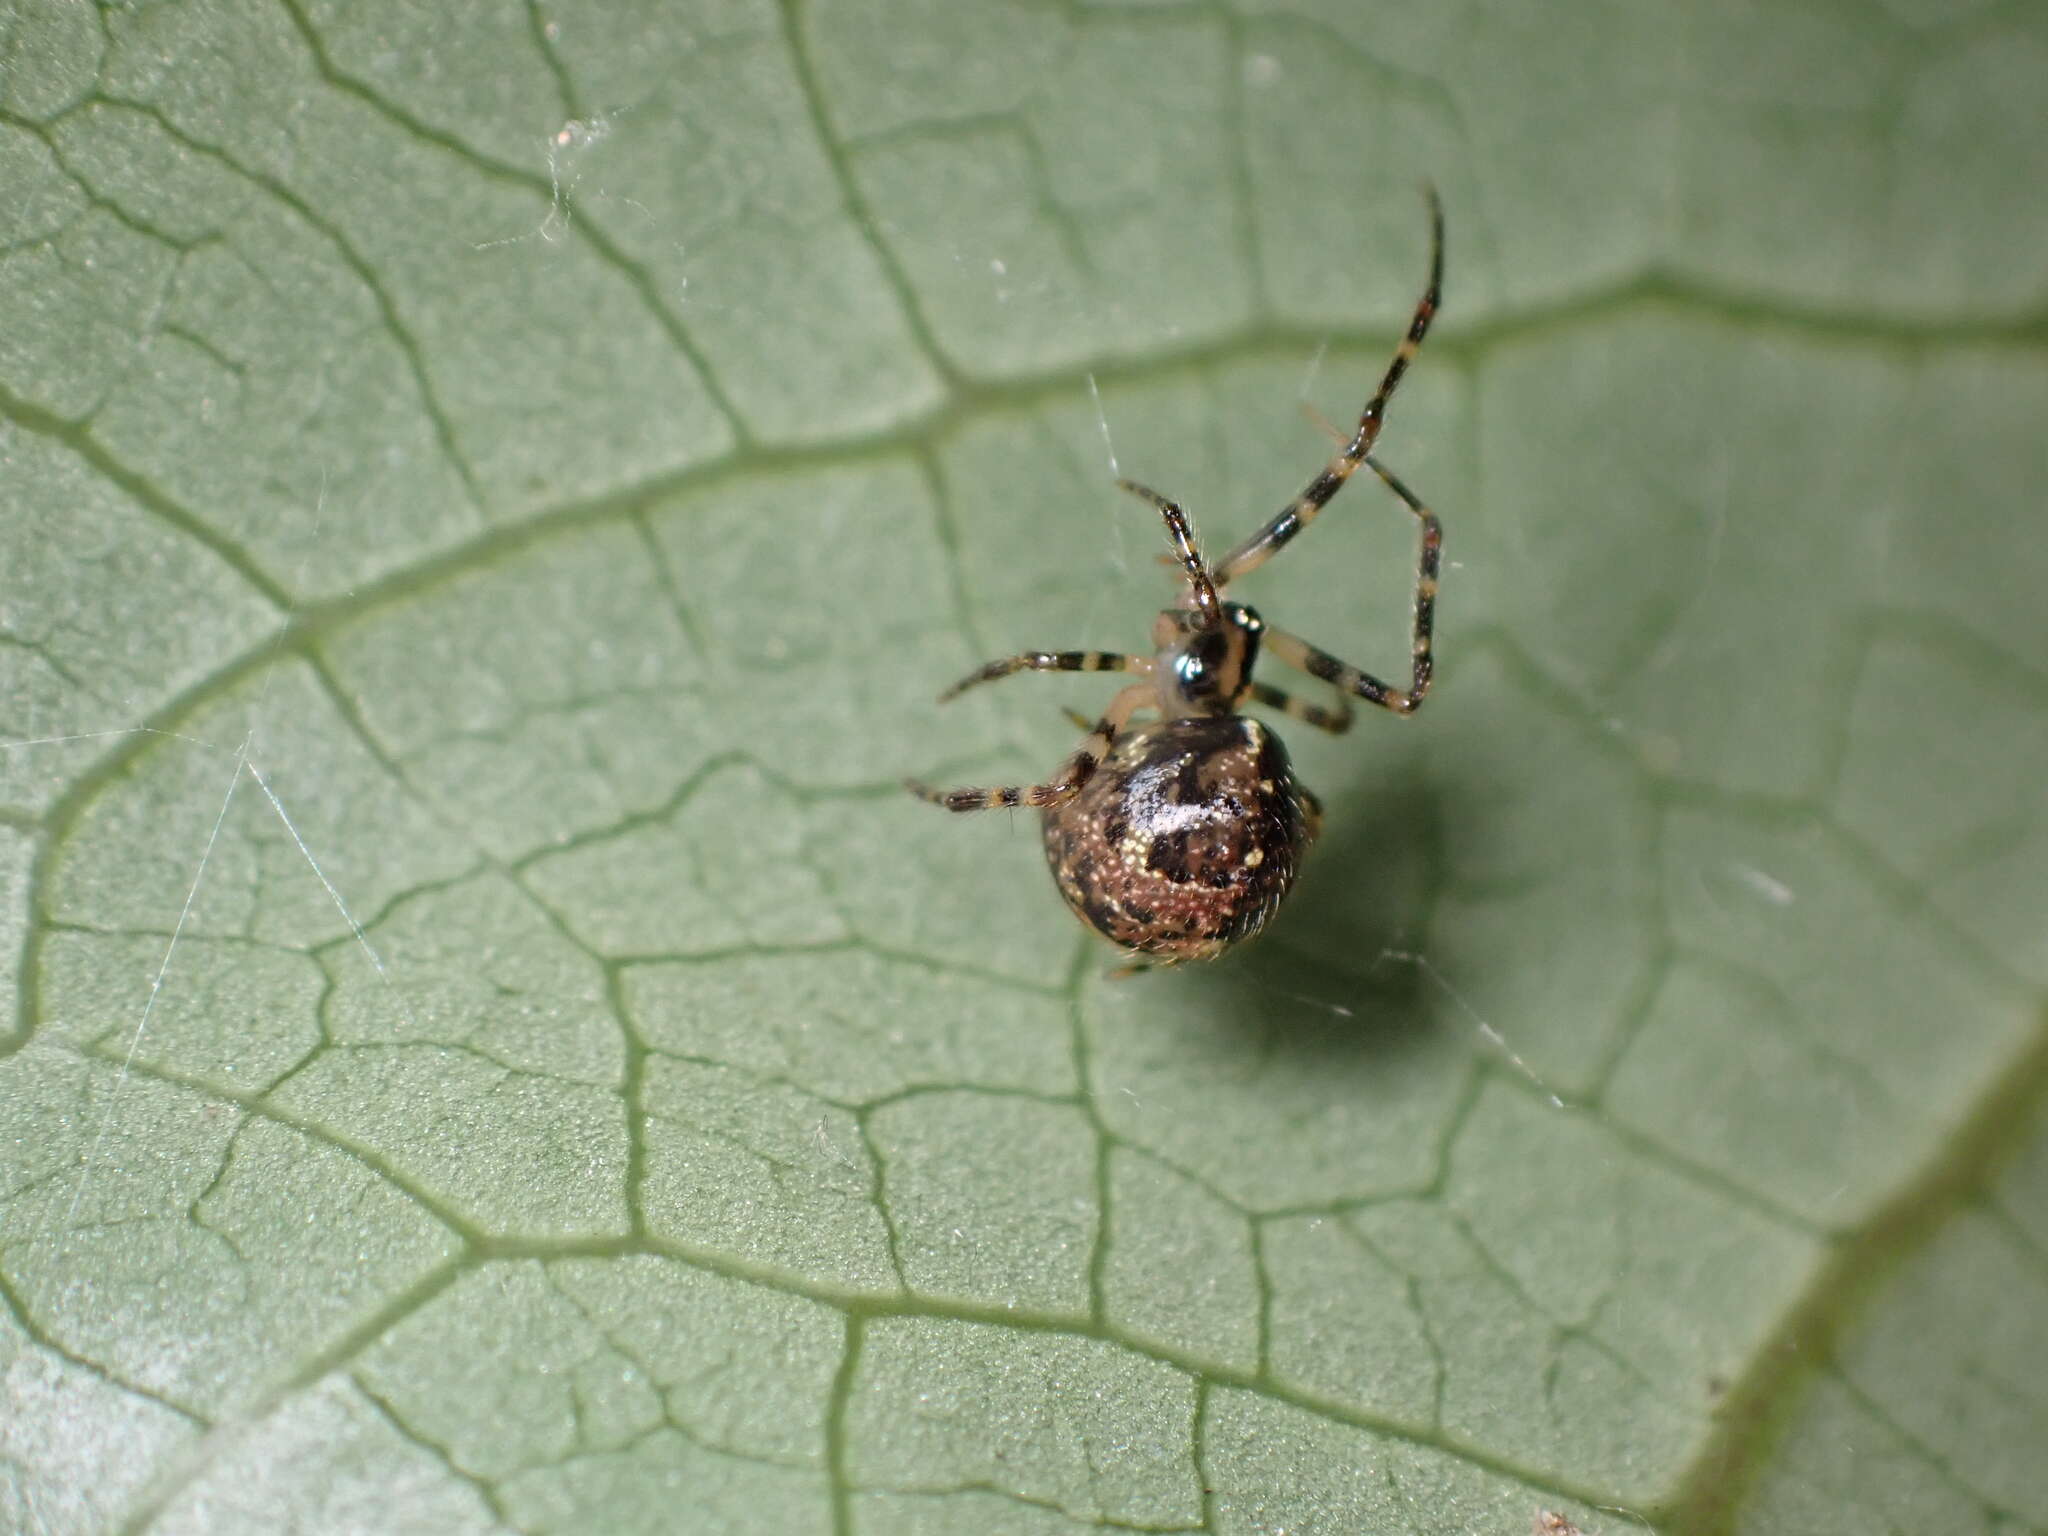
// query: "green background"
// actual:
[[515, 479]]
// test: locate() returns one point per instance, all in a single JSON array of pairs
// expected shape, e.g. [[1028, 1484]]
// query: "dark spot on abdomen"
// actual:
[[1212, 803], [1168, 857]]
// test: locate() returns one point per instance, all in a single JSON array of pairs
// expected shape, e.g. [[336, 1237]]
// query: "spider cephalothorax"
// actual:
[[1205, 669], [1178, 837]]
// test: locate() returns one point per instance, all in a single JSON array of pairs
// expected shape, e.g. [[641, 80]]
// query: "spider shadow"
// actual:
[[1337, 975]]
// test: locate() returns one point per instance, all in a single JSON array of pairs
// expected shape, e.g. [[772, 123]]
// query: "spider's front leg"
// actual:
[[1047, 661], [1347, 679], [1336, 721], [1073, 774], [1281, 529]]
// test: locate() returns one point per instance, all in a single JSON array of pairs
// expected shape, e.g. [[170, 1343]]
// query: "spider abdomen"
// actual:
[[1186, 838]]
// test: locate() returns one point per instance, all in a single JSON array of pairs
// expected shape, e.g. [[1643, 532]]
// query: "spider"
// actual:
[[1176, 838]]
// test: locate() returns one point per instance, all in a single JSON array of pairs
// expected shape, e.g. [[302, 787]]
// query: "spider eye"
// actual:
[[1198, 661]]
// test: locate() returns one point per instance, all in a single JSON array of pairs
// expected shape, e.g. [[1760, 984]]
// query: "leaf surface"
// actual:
[[486, 499]]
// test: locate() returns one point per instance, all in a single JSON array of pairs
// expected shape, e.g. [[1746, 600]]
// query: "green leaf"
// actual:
[[487, 496]]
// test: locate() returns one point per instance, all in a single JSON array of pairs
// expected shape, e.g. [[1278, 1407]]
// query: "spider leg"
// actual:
[[1200, 583], [1048, 661], [1076, 771], [1347, 679], [1336, 721], [1080, 722], [1341, 675], [1268, 541]]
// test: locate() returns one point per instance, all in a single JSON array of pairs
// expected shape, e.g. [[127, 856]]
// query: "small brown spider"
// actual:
[[1177, 838]]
